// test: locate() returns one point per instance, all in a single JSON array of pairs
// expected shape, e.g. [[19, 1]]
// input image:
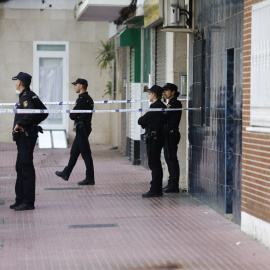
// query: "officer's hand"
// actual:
[[17, 128]]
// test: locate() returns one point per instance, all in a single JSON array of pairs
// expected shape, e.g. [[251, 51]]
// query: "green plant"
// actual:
[[108, 91], [105, 57], [105, 54]]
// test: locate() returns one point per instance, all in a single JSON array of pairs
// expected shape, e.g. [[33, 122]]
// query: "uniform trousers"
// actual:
[[81, 146], [154, 147], [170, 153], [26, 177]]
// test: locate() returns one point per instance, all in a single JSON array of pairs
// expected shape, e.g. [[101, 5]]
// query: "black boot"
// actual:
[[62, 175], [23, 207], [150, 194], [86, 182], [166, 187], [172, 189], [12, 206]]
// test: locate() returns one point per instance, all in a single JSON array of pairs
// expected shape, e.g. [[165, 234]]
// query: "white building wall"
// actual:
[[112, 29], [255, 227], [37, 4], [170, 57], [176, 62], [180, 65], [19, 28]]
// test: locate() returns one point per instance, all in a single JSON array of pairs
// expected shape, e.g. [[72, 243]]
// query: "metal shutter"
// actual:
[[160, 57]]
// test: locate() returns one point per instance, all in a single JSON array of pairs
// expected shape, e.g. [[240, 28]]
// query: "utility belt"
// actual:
[[82, 126], [149, 135], [27, 132]]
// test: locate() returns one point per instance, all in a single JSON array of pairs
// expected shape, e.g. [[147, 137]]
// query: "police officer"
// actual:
[[25, 133], [172, 137], [83, 128], [153, 123]]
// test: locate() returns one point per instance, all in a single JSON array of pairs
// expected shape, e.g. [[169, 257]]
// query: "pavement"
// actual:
[[109, 225]]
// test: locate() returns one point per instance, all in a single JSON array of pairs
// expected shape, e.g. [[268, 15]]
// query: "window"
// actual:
[[260, 66]]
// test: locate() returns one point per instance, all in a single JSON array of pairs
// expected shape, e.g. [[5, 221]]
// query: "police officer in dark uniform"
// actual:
[[83, 128], [25, 133], [153, 123], [172, 137]]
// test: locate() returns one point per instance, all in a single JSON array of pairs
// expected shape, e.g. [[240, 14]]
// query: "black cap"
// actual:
[[23, 77], [156, 89], [170, 86], [81, 81]]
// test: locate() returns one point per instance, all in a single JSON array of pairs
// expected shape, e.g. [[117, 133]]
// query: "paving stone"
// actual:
[[171, 232]]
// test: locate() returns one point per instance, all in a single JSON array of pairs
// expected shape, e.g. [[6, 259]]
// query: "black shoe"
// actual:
[[12, 206], [24, 206], [166, 187], [62, 175], [171, 190], [86, 182], [150, 194]]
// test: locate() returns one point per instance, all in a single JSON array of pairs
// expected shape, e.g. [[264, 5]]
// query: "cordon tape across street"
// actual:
[[26, 111]]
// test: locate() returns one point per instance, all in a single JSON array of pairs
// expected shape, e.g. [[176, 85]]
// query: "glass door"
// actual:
[[51, 80]]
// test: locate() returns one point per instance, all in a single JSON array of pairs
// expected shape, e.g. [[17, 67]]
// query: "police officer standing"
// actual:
[[25, 133], [153, 123], [83, 128], [172, 137]]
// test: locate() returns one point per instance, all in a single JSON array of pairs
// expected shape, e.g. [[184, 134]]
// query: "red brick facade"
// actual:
[[255, 146]]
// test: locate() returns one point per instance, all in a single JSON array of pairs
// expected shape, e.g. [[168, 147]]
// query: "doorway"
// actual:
[[51, 80], [50, 83]]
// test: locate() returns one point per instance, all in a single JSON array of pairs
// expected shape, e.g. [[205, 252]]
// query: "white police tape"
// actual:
[[73, 102], [27, 111]]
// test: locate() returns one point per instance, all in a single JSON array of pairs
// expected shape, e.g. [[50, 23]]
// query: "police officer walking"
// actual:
[[25, 133], [172, 137], [83, 128], [153, 123]]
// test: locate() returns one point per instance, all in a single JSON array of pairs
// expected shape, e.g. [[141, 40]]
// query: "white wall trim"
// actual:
[[169, 57], [135, 129], [258, 129], [255, 227]]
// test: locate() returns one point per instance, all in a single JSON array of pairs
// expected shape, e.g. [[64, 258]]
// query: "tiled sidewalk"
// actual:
[[109, 225]]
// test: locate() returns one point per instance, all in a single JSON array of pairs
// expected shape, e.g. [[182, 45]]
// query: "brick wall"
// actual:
[[255, 146]]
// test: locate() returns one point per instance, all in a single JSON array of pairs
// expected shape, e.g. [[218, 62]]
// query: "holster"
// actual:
[[149, 134], [15, 135], [35, 129], [145, 136], [78, 125], [83, 127]]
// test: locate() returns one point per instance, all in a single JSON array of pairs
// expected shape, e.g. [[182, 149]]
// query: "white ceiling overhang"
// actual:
[[100, 10]]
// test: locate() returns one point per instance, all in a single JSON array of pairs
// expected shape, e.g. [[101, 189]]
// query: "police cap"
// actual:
[[156, 89], [170, 86], [23, 77], [80, 81]]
